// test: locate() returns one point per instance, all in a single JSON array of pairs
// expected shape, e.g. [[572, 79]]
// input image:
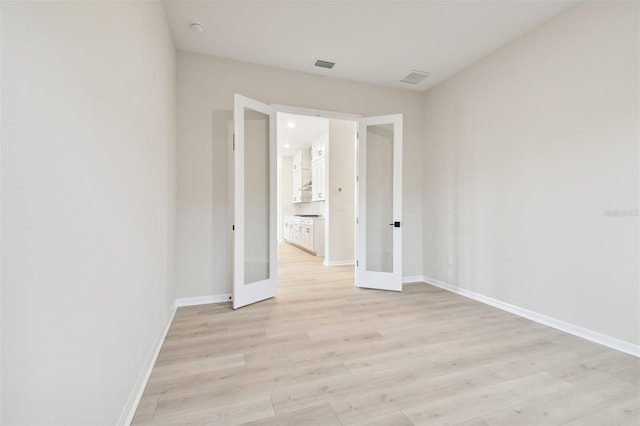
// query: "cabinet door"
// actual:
[[310, 238], [297, 160], [321, 191], [296, 177], [305, 236], [318, 170], [314, 181]]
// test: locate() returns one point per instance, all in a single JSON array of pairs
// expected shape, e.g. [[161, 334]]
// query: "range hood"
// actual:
[[306, 187]]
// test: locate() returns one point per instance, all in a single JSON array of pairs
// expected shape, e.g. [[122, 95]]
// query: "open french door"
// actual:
[[254, 207], [379, 205]]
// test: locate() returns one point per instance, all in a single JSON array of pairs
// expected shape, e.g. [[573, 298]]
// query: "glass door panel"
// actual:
[[256, 196], [379, 232], [379, 198], [254, 193]]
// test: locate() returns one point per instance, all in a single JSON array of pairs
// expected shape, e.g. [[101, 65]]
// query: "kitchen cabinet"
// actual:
[[301, 176], [287, 228], [306, 233], [318, 148], [318, 177]]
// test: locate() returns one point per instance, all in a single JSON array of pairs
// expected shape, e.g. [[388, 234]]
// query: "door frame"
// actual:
[[288, 109]]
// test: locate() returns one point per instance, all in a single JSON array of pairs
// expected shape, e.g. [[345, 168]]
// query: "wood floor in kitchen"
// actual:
[[326, 353]]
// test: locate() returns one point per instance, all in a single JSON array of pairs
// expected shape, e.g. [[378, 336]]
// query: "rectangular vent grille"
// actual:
[[415, 77], [324, 64]]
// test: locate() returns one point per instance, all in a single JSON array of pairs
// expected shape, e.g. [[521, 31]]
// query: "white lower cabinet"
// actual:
[[306, 233], [287, 228]]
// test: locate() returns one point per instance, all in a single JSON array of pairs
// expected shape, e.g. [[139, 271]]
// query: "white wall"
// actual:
[[524, 152], [342, 173], [205, 100], [88, 107]]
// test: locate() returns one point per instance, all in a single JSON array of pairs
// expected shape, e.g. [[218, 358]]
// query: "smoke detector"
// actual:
[[197, 27]]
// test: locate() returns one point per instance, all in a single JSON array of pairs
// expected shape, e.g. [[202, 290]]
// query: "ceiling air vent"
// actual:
[[415, 77], [324, 64]]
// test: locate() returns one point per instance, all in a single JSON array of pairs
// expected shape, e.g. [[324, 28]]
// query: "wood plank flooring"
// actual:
[[326, 353]]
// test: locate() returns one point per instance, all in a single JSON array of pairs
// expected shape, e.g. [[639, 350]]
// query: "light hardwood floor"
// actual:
[[325, 353]]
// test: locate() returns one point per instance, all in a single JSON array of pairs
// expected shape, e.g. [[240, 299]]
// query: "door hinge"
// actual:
[[234, 141], [233, 227], [357, 220], [357, 263], [357, 178], [357, 135]]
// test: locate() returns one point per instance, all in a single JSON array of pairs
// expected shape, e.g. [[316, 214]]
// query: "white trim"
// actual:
[[203, 300], [315, 112], [339, 262], [126, 417], [576, 330]]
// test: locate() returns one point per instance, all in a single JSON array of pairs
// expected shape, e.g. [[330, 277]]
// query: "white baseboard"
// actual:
[[126, 417], [594, 336], [339, 262], [203, 300]]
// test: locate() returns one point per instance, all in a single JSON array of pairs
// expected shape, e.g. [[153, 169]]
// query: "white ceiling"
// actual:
[[305, 129], [377, 42]]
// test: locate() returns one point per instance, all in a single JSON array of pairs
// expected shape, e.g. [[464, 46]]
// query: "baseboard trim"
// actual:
[[203, 300], [594, 336], [126, 417], [339, 262]]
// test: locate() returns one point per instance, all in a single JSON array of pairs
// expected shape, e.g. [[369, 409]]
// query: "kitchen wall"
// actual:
[[341, 205], [315, 207], [527, 154], [205, 99], [287, 208], [88, 139]]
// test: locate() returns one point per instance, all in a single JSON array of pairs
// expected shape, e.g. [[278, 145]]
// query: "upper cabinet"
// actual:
[[301, 176], [319, 167], [318, 147], [318, 173], [309, 172], [301, 160]]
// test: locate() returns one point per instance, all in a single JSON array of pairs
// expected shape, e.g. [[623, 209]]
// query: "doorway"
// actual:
[[316, 186], [378, 206]]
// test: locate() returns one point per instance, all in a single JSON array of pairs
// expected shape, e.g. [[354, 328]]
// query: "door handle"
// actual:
[[395, 224]]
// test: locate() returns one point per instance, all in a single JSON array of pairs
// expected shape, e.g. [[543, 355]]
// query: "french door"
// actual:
[[254, 207], [379, 203]]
